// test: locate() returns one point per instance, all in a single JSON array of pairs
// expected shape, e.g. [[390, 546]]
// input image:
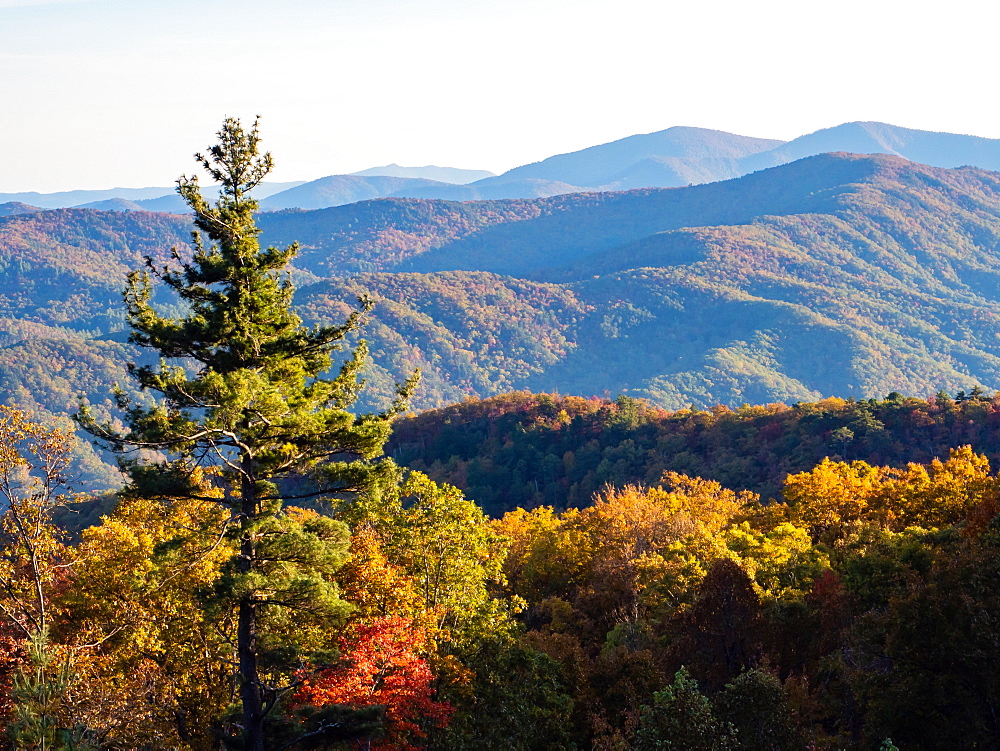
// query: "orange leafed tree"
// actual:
[[381, 666]]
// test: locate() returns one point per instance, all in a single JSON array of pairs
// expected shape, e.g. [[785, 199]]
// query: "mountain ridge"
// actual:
[[14, 208], [681, 156], [74, 198], [827, 287]]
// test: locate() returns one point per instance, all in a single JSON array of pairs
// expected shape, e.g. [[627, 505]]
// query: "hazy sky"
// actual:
[[104, 93]]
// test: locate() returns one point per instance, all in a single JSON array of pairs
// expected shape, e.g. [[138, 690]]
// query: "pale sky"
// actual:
[[107, 93]]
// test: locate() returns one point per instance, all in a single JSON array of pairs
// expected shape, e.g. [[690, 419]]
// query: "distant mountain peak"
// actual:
[[111, 204], [16, 208], [693, 131], [870, 137], [430, 172]]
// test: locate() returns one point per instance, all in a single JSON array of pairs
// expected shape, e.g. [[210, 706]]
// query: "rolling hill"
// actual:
[[524, 449], [13, 208], [113, 204]]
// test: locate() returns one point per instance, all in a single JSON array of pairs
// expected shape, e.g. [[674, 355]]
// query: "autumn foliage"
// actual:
[[381, 666], [860, 605]]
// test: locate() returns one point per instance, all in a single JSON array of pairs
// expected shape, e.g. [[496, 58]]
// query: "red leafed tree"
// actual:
[[12, 661], [380, 667]]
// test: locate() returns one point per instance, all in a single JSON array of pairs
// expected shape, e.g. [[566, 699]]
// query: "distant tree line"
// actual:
[[525, 450]]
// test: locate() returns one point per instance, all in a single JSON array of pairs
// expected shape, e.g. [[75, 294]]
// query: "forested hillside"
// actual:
[[525, 237], [838, 275], [67, 267]]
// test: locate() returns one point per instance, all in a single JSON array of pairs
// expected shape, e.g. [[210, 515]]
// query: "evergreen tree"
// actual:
[[240, 400]]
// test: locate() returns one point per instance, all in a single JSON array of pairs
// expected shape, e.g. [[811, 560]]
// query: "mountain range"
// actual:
[[684, 156], [123, 199], [674, 157], [359, 186], [836, 274]]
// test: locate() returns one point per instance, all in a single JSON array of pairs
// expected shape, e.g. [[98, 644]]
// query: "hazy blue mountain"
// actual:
[[341, 190], [74, 198], [682, 156], [925, 147], [679, 151], [14, 208], [484, 190], [70, 198], [266, 189], [675, 157], [672, 172], [168, 204], [430, 172], [172, 203], [112, 204], [338, 190]]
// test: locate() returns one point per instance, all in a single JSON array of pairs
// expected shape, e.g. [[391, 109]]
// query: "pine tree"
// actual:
[[240, 398]]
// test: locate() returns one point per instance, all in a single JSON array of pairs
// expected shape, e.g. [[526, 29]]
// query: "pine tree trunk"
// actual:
[[250, 688], [251, 691]]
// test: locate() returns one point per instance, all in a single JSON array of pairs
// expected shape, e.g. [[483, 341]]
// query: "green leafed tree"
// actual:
[[240, 397], [756, 706], [681, 717]]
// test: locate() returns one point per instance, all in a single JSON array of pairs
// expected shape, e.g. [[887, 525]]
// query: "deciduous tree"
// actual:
[[681, 717], [33, 565], [381, 666]]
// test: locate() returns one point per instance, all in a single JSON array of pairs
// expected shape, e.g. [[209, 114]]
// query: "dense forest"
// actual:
[[860, 605]]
